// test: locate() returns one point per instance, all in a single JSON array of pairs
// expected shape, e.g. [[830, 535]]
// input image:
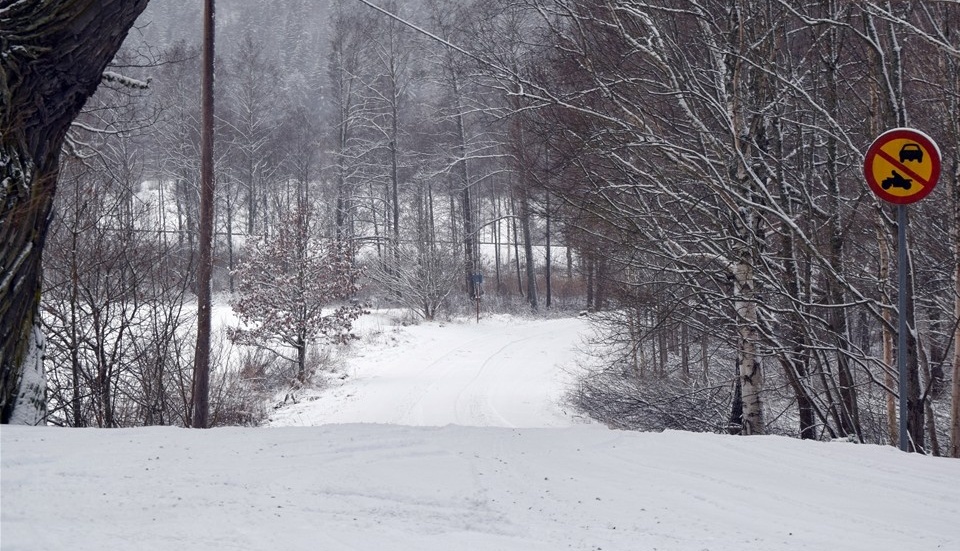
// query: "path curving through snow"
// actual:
[[504, 371]]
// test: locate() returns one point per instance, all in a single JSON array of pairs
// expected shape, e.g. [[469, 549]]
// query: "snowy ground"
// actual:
[[403, 483], [501, 372]]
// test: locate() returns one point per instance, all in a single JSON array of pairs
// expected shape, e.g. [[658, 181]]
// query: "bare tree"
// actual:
[[347, 51], [248, 137], [113, 305], [450, 22], [251, 87]]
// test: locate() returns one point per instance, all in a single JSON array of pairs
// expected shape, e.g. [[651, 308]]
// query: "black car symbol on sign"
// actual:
[[895, 180], [911, 152]]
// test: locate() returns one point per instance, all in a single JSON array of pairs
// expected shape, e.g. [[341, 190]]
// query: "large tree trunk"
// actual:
[[955, 387], [54, 53]]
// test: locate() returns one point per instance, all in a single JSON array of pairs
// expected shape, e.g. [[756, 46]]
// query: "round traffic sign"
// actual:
[[902, 165]]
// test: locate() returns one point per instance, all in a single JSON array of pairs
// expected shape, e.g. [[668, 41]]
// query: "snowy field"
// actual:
[[449, 437]]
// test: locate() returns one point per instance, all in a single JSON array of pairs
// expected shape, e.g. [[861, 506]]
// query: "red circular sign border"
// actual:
[[909, 134]]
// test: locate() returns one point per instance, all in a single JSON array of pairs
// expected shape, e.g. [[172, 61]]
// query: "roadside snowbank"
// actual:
[[373, 487]]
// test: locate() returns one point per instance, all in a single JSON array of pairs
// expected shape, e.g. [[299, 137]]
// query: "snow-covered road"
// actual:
[[502, 372], [363, 487]]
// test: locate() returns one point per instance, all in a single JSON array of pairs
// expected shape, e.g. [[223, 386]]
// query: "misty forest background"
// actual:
[[687, 171]]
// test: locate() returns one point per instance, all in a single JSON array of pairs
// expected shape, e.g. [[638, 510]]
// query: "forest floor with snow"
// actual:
[[454, 436]]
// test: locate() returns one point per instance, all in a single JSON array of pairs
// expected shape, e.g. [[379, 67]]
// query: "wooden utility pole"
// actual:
[[201, 365]]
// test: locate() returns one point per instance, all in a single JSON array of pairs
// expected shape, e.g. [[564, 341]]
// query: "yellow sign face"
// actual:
[[902, 166]]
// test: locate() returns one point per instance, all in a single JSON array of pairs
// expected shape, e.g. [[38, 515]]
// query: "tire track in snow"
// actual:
[[416, 395], [503, 372], [477, 409]]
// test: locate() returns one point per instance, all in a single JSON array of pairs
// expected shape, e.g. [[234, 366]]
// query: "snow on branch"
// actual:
[[122, 80]]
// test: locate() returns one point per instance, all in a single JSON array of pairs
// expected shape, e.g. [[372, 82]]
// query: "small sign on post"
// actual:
[[902, 166], [477, 280]]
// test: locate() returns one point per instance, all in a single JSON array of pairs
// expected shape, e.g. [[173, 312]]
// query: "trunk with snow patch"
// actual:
[[43, 85]]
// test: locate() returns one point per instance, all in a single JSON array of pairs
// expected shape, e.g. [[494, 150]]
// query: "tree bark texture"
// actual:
[[748, 353], [955, 386], [915, 410], [54, 53]]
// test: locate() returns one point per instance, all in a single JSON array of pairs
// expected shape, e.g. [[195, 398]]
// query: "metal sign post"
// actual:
[[477, 291], [902, 166], [902, 322]]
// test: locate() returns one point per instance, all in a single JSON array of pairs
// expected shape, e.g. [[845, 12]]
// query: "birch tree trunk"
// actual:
[[54, 54], [893, 428], [748, 356]]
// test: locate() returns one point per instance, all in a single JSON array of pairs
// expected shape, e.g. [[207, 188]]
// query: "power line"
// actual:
[[443, 41]]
